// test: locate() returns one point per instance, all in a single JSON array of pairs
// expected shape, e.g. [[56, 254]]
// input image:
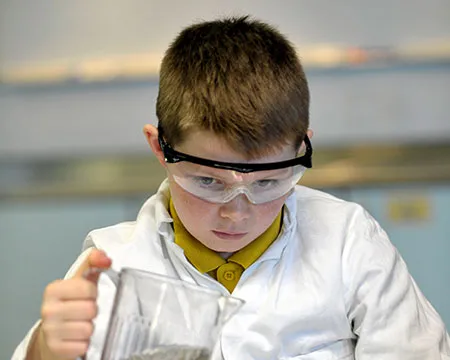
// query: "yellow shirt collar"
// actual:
[[206, 260]]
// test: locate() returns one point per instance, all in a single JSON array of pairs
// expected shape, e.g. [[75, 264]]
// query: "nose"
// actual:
[[237, 209]]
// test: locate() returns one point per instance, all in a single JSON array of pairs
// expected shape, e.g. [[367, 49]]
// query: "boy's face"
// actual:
[[224, 227]]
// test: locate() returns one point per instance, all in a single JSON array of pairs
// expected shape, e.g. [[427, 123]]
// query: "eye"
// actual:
[[207, 182], [204, 180], [265, 183]]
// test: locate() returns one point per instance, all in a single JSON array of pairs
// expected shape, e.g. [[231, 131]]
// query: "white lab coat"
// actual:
[[330, 287]]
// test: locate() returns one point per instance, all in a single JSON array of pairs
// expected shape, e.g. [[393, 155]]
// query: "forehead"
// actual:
[[206, 144]]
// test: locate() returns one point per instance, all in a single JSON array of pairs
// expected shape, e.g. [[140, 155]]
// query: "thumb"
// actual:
[[91, 267]]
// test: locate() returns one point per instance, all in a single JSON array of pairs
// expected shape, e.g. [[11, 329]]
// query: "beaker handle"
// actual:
[[113, 276]]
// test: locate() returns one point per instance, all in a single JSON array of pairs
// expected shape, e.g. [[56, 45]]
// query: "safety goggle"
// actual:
[[220, 182]]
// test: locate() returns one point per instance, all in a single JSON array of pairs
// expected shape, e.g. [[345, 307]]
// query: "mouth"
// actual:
[[228, 235]]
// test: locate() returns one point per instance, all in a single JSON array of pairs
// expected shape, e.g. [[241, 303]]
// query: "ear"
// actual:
[[310, 134], [151, 133]]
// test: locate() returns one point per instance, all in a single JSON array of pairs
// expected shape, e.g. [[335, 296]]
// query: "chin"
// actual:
[[226, 245]]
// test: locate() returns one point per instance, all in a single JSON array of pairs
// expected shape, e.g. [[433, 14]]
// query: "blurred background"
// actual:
[[78, 80]]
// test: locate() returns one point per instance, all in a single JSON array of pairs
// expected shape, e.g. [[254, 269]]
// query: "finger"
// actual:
[[71, 330], [96, 259], [68, 349], [72, 289], [80, 310]]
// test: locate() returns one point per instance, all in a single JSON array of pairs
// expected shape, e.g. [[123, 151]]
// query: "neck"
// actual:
[[225, 255]]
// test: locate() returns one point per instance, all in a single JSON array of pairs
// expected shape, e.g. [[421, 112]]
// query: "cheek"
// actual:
[[265, 214], [271, 209], [188, 206]]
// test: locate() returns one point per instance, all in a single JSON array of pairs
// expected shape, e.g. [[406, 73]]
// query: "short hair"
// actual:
[[237, 77]]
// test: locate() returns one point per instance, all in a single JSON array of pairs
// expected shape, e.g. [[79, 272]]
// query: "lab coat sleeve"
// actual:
[[390, 316], [21, 351]]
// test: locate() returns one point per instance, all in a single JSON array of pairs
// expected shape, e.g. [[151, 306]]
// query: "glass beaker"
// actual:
[[160, 318]]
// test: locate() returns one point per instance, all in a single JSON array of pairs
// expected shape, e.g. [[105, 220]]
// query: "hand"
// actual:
[[69, 308]]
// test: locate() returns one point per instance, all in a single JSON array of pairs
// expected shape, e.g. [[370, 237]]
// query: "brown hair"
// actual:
[[238, 78]]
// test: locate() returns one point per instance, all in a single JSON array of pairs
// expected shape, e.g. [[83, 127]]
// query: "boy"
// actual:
[[319, 276]]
